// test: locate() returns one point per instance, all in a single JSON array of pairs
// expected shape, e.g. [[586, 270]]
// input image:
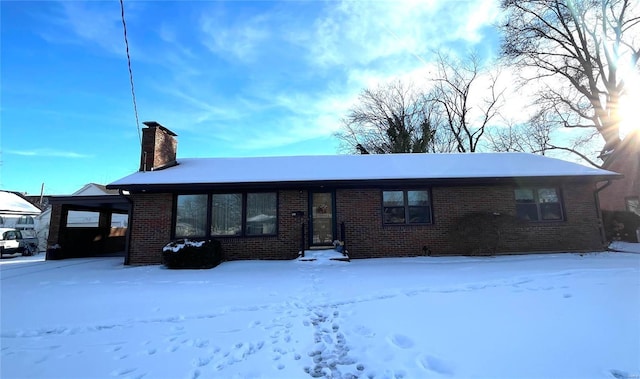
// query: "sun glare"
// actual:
[[629, 106]]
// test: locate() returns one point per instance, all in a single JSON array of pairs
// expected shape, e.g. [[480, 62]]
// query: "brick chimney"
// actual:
[[159, 147]]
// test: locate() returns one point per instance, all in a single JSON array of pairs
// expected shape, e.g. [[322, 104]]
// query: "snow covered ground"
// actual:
[[535, 316]]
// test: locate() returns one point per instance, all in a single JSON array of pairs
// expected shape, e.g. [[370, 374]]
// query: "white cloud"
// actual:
[[48, 153], [88, 22], [238, 40], [361, 33], [347, 47]]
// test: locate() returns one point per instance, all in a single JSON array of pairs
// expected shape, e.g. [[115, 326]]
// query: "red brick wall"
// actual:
[[361, 211], [367, 237], [151, 230], [286, 245], [150, 227], [158, 148], [613, 198]]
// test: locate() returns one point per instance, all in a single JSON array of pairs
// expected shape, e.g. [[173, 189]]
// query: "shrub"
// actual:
[[185, 253], [482, 233], [620, 225]]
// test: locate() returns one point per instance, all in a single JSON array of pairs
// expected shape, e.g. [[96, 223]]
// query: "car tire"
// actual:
[[27, 250]]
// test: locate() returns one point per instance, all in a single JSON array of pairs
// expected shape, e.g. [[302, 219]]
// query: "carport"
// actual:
[[73, 242]]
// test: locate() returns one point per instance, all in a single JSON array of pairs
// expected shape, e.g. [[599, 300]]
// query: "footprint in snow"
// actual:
[[41, 359], [364, 331], [202, 361], [401, 341], [200, 343], [431, 363], [123, 372]]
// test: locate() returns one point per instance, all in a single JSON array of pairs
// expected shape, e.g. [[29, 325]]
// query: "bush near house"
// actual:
[[482, 233], [621, 225], [192, 254]]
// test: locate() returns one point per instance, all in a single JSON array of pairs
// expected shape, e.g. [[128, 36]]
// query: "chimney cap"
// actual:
[[155, 124]]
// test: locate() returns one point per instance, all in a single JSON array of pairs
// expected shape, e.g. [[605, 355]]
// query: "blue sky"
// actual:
[[233, 78]]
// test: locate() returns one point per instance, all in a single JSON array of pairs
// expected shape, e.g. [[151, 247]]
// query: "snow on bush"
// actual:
[[186, 253], [178, 245]]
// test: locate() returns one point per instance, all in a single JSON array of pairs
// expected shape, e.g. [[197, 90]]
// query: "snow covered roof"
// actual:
[[12, 204], [342, 168], [94, 189]]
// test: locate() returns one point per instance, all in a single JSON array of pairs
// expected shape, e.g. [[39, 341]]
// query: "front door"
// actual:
[[321, 220]]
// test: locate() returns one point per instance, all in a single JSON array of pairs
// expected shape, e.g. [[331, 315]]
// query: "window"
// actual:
[[538, 204], [25, 220], [191, 215], [633, 205], [406, 207], [261, 213], [226, 214], [10, 235]]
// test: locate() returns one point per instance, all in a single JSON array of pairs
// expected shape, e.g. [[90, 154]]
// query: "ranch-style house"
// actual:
[[391, 205]]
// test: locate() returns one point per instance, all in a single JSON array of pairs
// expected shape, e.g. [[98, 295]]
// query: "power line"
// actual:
[[133, 92]]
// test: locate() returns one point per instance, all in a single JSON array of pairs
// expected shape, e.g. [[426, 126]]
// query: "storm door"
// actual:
[[321, 220]]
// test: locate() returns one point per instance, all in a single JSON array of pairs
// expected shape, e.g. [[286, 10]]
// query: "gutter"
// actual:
[[347, 183], [596, 193], [127, 243]]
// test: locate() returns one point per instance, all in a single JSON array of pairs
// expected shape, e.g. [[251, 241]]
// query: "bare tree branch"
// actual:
[[582, 43], [468, 108], [393, 118]]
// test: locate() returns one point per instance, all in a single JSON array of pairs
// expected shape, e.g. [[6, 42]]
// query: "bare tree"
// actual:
[[509, 138], [576, 47], [536, 136], [392, 118], [468, 98]]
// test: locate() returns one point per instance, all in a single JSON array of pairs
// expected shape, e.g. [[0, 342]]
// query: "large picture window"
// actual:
[[226, 214], [538, 204], [191, 215], [406, 207], [261, 213]]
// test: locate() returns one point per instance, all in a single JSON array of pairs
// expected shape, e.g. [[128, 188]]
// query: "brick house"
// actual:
[[623, 194], [620, 199], [380, 205]]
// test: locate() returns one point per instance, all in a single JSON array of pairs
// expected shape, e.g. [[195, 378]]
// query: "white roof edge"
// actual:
[[361, 167], [13, 204]]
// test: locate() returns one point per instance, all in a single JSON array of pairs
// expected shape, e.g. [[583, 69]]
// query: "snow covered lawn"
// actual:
[[536, 316]]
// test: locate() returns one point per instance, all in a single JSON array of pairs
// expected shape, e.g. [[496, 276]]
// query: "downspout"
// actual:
[[603, 237], [127, 240]]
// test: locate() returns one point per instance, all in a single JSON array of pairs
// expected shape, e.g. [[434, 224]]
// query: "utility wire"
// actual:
[[133, 92]]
